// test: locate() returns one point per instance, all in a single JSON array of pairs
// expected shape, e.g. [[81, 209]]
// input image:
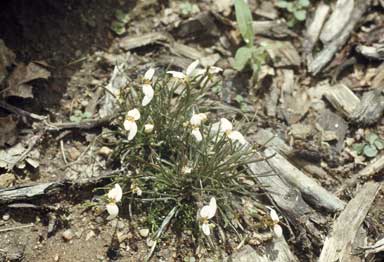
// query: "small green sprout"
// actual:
[[370, 147], [79, 116], [296, 8], [248, 54]]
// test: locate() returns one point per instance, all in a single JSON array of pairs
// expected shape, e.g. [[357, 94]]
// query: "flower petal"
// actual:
[[115, 193], [149, 74], [209, 211], [273, 215], [132, 131], [195, 120], [213, 207], [128, 124], [148, 128], [148, 94], [134, 113], [225, 125], [278, 231], [197, 134], [113, 211], [236, 136], [177, 74], [206, 229], [191, 67]]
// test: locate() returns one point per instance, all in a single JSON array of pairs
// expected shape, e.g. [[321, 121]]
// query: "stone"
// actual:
[[67, 235], [7, 179], [144, 232]]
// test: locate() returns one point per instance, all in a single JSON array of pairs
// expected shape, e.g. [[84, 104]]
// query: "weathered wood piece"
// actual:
[[186, 51], [283, 53], [132, 42], [375, 51], [338, 244], [275, 29], [330, 48], [30, 192], [370, 109], [342, 99], [276, 250], [313, 30], [338, 20], [374, 168], [289, 200], [312, 192]]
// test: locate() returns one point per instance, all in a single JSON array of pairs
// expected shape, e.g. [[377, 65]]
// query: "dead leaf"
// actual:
[[8, 132], [7, 57], [21, 76]]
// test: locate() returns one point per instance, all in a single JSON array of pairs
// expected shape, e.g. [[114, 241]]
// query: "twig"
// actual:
[[86, 124], [32, 143], [15, 228], [62, 152], [21, 112]]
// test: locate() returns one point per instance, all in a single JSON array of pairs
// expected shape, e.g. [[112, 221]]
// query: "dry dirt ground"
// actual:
[[75, 41]]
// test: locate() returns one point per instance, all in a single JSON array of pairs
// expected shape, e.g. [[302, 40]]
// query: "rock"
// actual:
[[144, 232], [7, 179], [56, 258], [99, 220], [73, 153], [67, 235], [6, 217], [90, 235], [105, 151]]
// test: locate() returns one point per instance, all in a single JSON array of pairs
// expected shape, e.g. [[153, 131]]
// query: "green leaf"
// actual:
[[282, 4], [371, 138], [300, 15], [244, 21], [242, 57], [370, 151], [87, 115], [118, 27], [304, 3], [358, 148], [379, 144], [290, 7]]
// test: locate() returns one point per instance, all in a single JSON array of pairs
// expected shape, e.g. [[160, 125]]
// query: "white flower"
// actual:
[[206, 213], [147, 87], [186, 170], [189, 72], [197, 134], [227, 128], [196, 121], [130, 122], [136, 189], [276, 227], [148, 128], [114, 196]]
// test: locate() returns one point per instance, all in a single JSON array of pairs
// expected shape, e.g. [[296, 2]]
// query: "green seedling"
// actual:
[[371, 146], [297, 10], [79, 116]]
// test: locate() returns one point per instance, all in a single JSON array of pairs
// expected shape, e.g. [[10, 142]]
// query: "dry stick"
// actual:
[[330, 49], [312, 191], [86, 124], [21, 112], [337, 246], [29, 192], [369, 171], [15, 228], [32, 143]]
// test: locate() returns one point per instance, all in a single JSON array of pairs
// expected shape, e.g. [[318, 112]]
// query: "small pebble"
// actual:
[[6, 217], [56, 258], [90, 235], [105, 151], [144, 232], [67, 235], [99, 220]]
